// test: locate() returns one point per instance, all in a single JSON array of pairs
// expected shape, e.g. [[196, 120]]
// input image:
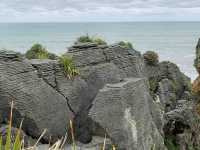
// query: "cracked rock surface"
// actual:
[[117, 93]]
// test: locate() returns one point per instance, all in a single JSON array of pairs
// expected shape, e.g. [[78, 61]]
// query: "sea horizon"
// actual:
[[131, 21]]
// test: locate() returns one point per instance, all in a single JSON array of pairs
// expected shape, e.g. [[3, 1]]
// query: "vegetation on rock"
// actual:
[[197, 59], [125, 44], [196, 86], [37, 51], [170, 143], [88, 39], [68, 65], [153, 83], [151, 58]]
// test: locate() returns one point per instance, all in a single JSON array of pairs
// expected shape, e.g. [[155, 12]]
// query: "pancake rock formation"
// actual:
[[138, 102]]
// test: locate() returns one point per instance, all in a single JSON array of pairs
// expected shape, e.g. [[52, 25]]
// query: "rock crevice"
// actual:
[[137, 104]]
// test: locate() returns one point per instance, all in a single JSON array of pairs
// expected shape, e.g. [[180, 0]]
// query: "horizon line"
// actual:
[[106, 22]]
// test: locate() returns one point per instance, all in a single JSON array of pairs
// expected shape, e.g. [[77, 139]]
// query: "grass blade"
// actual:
[[104, 143], [1, 143], [8, 137], [113, 147], [18, 142], [72, 133]]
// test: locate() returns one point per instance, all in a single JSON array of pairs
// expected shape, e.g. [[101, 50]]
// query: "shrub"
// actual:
[[151, 58], [99, 41], [37, 51], [125, 44], [68, 65], [84, 39], [88, 39]]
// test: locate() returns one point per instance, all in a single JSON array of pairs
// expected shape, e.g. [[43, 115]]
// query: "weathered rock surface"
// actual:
[[168, 83], [123, 110], [36, 101], [138, 105], [95, 144], [182, 126]]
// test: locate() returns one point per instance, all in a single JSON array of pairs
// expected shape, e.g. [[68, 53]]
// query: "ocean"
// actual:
[[173, 41]]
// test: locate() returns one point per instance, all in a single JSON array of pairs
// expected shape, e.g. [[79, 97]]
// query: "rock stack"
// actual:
[[137, 101]]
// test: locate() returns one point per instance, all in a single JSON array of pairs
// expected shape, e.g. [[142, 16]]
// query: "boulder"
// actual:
[[168, 83], [123, 110], [98, 65], [117, 93], [37, 102]]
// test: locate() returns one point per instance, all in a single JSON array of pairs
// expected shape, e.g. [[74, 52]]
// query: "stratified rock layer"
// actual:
[[117, 93], [123, 110], [35, 100]]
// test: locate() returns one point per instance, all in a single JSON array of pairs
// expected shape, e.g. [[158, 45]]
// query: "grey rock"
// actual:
[[167, 81], [82, 46], [182, 125], [46, 70], [38, 103], [10, 55], [123, 110], [182, 82], [110, 96], [130, 62], [96, 144], [167, 94]]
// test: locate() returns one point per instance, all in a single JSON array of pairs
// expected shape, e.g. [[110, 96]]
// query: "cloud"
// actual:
[[98, 10]]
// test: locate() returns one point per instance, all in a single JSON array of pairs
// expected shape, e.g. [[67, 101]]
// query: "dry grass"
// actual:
[[19, 143]]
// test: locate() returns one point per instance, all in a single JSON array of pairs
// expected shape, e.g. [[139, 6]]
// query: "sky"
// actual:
[[98, 10]]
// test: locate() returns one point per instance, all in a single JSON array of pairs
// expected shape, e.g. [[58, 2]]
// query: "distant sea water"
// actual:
[[174, 41]]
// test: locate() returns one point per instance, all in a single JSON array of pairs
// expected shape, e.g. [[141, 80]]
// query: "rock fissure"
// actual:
[[113, 95]]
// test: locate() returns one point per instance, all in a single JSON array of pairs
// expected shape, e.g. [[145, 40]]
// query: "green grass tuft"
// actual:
[[88, 39], [125, 44], [68, 65], [37, 51], [1, 143]]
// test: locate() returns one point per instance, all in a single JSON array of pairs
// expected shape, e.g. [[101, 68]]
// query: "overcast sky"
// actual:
[[98, 10]]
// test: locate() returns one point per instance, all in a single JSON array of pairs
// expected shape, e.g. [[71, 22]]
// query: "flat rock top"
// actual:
[[40, 61], [10, 55]]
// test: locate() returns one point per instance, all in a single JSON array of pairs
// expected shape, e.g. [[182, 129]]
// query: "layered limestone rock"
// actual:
[[137, 104], [98, 66], [123, 110], [182, 126], [168, 84], [35, 101]]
